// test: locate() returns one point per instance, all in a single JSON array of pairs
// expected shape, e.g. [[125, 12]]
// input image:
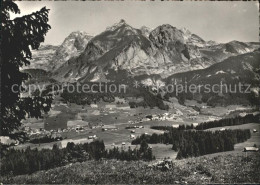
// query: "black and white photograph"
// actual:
[[130, 92]]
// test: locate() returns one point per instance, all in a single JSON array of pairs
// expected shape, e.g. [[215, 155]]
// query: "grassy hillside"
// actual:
[[221, 168]]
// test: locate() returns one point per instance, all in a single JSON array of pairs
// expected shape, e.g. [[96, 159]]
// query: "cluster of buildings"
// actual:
[[165, 116]]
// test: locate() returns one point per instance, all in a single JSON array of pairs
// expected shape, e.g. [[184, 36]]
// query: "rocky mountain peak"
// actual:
[[72, 46], [121, 23], [164, 51], [166, 34], [145, 31], [186, 32]]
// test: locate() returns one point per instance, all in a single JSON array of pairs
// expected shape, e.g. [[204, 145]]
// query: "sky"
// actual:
[[221, 21]]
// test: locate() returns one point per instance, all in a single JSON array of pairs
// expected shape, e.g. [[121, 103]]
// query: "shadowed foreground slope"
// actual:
[[221, 168]]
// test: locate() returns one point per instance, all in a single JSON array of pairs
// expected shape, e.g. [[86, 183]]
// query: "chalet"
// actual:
[[251, 149], [110, 107], [145, 119], [193, 117], [242, 114], [108, 127], [149, 117], [155, 117], [6, 140], [79, 128], [93, 105], [179, 113], [92, 137], [132, 136], [166, 114], [193, 113], [171, 117], [27, 129]]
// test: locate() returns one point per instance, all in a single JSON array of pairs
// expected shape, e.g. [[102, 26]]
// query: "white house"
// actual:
[[132, 136], [93, 105], [175, 126], [251, 149], [179, 113]]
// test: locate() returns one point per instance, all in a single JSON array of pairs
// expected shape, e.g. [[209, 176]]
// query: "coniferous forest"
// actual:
[[249, 118], [197, 143], [238, 120], [35, 160]]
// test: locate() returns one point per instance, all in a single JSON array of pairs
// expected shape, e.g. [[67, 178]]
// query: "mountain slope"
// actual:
[[166, 51], [235, 70], [246, 67], [72, 46], [42, 57], [219, 52], [126, 48]]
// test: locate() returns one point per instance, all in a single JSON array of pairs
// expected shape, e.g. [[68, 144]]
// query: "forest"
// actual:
[[238, 120], [45, 139], [33, 160], [197, 143]]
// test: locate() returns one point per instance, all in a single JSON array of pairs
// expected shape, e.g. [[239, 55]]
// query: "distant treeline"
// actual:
[[249, 118], [87, 98], [197, 143], [239, 120], [149, 99], [168, 128], [45, 139], [27, 161]]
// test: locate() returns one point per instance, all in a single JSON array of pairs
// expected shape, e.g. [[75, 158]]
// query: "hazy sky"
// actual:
[[218, 21]]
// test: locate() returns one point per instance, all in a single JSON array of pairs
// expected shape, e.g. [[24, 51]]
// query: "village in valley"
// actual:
[[118, 125]]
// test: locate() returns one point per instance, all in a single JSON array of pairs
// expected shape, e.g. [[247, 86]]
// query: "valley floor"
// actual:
[[118, 117]]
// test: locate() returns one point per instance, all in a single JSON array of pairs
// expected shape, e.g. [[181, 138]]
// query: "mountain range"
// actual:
[[125, 51]]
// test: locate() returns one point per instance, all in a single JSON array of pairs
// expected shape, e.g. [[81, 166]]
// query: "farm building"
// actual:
[[145, 119], [6, 140], [179, 113], [108, 127], [242, 114], [92, 137], [132, 136], [93, 105], [110, 106], [193, 113], [251, 149]]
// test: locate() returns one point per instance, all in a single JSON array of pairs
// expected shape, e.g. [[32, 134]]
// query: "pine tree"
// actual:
[[18, 37]]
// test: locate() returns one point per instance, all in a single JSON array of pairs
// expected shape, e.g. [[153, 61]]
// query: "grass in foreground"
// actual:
[[227, 168]]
